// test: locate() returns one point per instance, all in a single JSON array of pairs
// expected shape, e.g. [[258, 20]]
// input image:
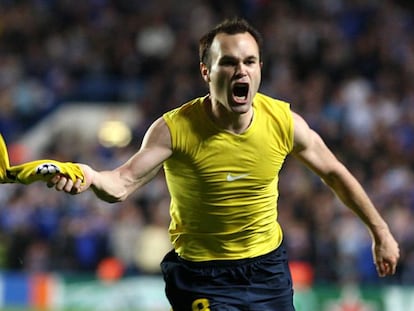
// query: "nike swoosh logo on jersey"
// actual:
[[231, 177]]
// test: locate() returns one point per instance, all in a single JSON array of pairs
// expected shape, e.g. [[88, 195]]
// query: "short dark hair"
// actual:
[[229, 26]]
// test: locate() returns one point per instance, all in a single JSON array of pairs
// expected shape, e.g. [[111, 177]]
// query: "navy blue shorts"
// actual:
[[263, 283]]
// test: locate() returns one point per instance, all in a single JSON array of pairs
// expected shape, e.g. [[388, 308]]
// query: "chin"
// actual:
[[241, 108]]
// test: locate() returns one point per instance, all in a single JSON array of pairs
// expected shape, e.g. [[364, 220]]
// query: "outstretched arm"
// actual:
[[312, 151], [117, 184]]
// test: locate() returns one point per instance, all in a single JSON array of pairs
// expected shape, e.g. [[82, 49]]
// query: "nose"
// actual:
[[240, 69]]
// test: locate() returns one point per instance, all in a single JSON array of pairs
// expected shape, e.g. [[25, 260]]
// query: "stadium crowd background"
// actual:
[[346, 66]]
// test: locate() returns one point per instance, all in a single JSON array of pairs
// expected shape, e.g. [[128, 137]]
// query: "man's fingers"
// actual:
[[392, 267], [389, 268], [53, 181], [76, 187], [60, 185], [63, 183], [385, 268], [68, 185]]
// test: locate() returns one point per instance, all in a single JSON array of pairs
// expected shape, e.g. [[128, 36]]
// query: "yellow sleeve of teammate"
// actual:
[[40, 170]]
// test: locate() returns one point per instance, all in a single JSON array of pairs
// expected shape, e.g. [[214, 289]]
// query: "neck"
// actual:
[[230, 121]]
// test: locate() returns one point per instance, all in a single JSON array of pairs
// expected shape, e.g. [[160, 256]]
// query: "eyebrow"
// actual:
[[229, 57]]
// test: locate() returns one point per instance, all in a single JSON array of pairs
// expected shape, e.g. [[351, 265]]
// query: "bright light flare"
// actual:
[[114, 134]]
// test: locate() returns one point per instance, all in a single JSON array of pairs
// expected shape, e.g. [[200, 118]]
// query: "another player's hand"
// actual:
[[386, 253], [63, 183]]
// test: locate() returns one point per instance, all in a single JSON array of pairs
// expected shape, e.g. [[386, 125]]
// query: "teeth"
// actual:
[[240, 98]]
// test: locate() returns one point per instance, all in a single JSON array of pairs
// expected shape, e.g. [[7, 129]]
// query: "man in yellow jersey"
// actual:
[[222, 154]]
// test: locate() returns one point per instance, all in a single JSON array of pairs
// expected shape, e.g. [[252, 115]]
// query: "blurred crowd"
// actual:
[[346, 66]]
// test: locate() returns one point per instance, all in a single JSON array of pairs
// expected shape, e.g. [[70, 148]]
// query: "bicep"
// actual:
[[117, 184], [155, 149], [311, 150]]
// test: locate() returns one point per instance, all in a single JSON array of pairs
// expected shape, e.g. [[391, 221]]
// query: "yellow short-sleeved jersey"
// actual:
[[223, 185]]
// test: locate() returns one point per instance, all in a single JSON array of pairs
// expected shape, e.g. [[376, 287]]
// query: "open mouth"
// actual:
[[240, 91]]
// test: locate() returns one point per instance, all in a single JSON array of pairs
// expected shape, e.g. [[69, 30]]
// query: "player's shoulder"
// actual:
[[187, 116], [272, 106], [184, 110], [264, 99]]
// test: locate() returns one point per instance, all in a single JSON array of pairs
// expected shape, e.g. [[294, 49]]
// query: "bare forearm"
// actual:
[[110, 187], [115, 186], [351, 193]]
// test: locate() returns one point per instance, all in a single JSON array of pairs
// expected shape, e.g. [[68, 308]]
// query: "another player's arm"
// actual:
[[310, 149], [116, 185]]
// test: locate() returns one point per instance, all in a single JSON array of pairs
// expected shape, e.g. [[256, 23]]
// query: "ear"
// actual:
[[205, 73]]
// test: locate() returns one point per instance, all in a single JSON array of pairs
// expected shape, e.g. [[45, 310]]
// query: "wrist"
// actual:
[[379, 231]]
